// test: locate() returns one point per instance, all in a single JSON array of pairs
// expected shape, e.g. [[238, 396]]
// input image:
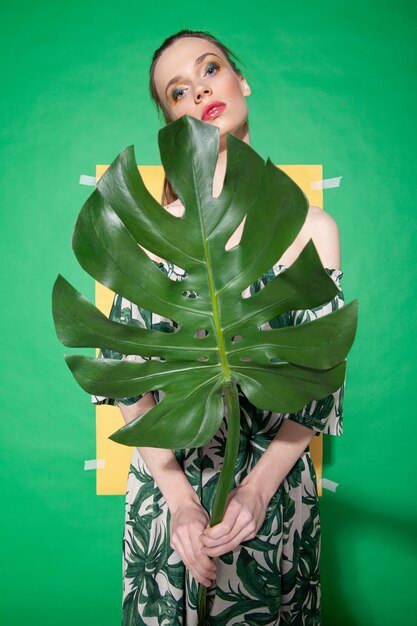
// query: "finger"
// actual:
[[204, 561], [204, 580], [194, 532], [185, 540], [241, 523], [200, 565], [226, 525], [246, 533]]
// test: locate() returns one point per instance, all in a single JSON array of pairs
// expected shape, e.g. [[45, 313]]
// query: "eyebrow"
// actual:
[[198, 61]]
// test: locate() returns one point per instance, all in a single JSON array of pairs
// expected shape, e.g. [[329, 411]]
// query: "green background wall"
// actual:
[[332, 83]]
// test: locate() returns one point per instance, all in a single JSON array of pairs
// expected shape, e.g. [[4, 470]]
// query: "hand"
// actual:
[[188, 521], [244, 515]]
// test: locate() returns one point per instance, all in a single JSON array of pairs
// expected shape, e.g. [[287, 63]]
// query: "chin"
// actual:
[[225, 128]]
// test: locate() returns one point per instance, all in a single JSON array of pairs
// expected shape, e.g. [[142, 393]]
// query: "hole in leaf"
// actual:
[[152, 256], [166, 326], [190, 294], [245, 358], [236, 338], [201, 332], [252, 289], [202, 358], [177, 209], [236, 236], [158, 394]]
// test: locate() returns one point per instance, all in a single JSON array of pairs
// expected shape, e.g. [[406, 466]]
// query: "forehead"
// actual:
[[179, 58]]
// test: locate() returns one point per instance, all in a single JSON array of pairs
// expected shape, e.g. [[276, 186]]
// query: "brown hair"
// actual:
[[168, 194]]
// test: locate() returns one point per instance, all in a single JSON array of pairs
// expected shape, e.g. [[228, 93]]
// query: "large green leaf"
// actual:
[[278, 369]]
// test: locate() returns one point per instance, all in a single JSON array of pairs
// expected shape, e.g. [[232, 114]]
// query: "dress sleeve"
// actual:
[[124, 312], [322, 416]]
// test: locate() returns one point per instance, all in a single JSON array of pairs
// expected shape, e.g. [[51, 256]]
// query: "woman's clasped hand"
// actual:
[[188, 522], [195, 541], [244, 515]]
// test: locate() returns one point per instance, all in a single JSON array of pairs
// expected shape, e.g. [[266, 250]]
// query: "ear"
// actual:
[[246, 90]]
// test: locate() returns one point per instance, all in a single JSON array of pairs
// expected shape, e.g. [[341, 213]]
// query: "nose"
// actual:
[[201, 91]]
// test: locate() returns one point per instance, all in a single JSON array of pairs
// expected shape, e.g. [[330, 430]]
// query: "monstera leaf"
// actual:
[[220, 342], [278, 369]]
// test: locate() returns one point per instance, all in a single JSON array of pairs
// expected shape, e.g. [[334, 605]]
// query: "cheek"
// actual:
[[184, 106], [170, 112], [231, 86]]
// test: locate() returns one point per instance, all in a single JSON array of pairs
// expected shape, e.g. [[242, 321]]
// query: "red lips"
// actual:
[[212, 110]]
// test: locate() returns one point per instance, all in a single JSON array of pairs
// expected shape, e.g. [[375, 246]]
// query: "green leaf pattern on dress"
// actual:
[[271, 579]]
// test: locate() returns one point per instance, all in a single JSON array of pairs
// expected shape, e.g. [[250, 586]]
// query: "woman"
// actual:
[[261, 563]]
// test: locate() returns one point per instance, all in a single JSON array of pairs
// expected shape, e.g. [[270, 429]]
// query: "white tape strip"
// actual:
[[94, 464], [326, 183], [90, 181], [329, 484]]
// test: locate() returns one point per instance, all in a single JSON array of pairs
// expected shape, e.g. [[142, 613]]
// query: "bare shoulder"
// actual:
[[319, 219], [323, 230]]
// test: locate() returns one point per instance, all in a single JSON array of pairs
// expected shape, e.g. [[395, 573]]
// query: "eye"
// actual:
[[177, 93], [212, 68]]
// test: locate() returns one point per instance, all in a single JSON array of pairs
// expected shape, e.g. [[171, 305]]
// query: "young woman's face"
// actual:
[[193, 77]]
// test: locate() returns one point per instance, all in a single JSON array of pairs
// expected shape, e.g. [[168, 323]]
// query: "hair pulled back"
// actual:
[[168, 194]]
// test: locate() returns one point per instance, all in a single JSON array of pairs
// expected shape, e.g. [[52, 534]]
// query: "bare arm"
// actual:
[[246, 507], [188, 518], [278, 459], [161, 462]]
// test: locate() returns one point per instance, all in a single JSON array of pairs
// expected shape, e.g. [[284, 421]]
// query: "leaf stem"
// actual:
[[231, 400], [213, 297]]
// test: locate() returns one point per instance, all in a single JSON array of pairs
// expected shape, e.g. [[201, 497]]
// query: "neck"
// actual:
[[220, 171]]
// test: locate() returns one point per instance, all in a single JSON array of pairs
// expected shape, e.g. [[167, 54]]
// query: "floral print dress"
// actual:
[[270, 580]]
